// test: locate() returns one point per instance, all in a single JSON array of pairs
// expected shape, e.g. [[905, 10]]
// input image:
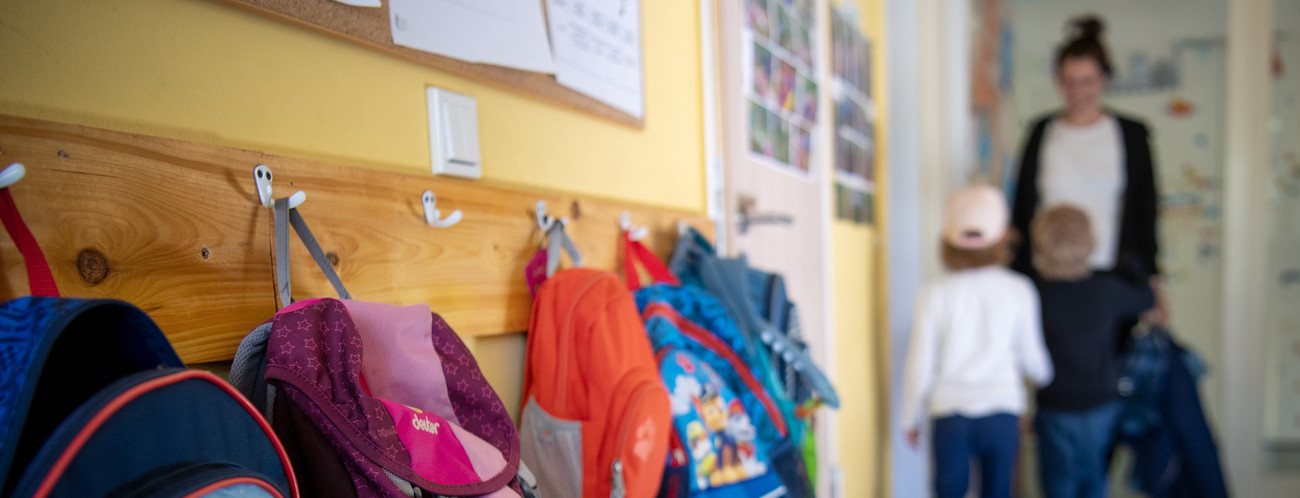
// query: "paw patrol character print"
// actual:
[[701, 447], [686, 389], [713, 413], [742, 431]]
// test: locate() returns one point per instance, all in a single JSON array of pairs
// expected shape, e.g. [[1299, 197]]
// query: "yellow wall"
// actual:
[[199, 71], [859, 317]]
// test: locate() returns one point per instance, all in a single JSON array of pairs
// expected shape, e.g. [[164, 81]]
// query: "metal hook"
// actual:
[[432, 215], [12, 174], [262, 177]]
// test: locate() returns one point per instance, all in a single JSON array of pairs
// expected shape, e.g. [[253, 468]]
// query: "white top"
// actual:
[[1084, 166], [976, 333]]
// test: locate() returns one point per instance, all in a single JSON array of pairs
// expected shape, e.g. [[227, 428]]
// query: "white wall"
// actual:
[[931, 154], [907, 468], [1283, 325], [1254, 467]]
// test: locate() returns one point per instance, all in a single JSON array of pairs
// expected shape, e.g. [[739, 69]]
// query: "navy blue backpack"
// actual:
[[94, 401]]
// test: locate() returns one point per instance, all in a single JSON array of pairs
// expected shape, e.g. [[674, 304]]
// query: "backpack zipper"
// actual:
[[618, 483], [561, 379], [619, 488]]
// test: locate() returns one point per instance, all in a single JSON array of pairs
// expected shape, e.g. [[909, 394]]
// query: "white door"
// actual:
[[772, 120]]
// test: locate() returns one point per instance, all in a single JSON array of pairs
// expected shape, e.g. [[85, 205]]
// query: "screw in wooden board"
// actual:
[[333, 257], [92, 265], [205, 253], [63, 154], [575, 211]]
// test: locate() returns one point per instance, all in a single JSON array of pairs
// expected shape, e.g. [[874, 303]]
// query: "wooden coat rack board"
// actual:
[[176, 229], [369, 27]]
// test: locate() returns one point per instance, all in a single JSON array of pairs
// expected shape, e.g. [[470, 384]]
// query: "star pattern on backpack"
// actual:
[[331, 357]]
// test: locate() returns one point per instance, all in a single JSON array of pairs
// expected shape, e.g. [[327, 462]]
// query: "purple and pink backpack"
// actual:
[[381, 400], [374, 399]]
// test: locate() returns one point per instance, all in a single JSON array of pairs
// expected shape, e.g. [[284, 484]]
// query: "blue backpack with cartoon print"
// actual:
[[714, 449]]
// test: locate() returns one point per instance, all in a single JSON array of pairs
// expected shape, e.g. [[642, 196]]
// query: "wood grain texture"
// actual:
[[369, 27], [186, 240]]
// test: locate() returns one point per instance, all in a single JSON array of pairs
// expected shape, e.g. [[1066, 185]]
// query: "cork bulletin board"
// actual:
[[369, 27]]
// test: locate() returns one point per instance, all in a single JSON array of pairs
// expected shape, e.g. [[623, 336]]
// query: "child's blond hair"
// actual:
[[1063, 241]]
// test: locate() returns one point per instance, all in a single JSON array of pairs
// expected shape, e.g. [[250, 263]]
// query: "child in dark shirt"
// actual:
[[1082, 315]]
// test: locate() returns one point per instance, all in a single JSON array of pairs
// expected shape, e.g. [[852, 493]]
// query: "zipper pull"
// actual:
[[619, 488]]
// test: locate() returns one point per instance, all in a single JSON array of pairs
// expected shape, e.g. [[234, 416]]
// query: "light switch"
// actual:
[[453, 134], [462, 131]]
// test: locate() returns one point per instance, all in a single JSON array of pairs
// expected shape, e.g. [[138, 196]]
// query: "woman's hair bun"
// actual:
[[1084, 40], [1086, 27]]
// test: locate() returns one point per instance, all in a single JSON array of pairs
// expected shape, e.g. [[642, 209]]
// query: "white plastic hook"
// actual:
[[634, 233], [432, 215], [682, 226], [12, 174], [546, 221], [262, 177]]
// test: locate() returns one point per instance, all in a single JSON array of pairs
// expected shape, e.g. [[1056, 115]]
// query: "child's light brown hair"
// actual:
[[999, 254], [1062, 242]]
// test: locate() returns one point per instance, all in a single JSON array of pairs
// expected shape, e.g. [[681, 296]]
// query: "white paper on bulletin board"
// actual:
[[508, 33], [597, 50]]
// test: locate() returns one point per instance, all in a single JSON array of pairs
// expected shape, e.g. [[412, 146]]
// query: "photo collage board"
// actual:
[[855, 124], [781, 83]]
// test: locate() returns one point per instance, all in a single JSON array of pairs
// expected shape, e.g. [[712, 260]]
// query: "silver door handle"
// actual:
[[745, 219]]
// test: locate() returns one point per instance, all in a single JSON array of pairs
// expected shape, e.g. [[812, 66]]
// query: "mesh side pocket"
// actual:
[[552, 448]]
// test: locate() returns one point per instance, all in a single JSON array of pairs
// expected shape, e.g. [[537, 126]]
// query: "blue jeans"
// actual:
[[1072, 449], [993, 441]]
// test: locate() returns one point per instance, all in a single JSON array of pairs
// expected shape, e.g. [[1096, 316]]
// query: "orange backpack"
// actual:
[[596, 417]]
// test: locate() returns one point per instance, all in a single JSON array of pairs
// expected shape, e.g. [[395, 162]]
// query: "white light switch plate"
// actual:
[[453, 134]]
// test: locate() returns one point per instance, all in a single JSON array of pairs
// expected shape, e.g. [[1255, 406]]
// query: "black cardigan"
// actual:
[[1135, 258]]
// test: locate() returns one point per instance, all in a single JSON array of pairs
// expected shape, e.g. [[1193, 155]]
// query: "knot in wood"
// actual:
[[92, 265]]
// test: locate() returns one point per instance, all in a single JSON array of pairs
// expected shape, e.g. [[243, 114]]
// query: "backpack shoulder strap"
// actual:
[[635, 252], [39, 277]]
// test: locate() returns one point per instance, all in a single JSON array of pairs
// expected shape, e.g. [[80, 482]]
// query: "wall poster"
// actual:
[[855, 123], [781, 82]]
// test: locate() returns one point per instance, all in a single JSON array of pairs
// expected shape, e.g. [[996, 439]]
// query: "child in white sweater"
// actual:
[[976, 335]]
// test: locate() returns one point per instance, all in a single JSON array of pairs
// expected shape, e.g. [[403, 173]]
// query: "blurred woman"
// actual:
[[1095, 158]]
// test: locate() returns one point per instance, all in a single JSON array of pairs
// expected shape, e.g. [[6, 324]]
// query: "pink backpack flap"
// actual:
[[396, 394]]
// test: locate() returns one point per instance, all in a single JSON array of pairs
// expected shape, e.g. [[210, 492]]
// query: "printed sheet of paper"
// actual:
[[597, 48], [361, 3], [508, 33]]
